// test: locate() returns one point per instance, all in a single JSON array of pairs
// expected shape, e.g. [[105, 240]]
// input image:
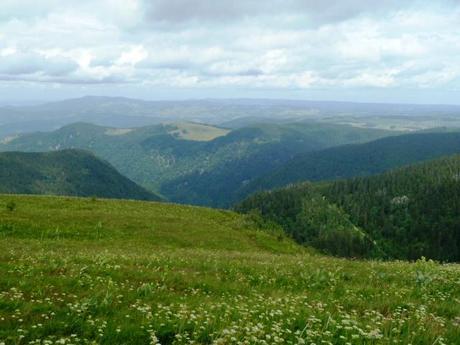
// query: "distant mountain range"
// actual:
[[231, 113], [195, 163], [67, 172]]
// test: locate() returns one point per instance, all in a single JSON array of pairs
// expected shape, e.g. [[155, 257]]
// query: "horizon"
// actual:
[[37, 102]]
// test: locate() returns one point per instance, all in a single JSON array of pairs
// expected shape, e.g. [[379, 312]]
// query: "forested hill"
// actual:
[[310, 219], [67, 172], [411, 212], [359, 159], [194, 163], [405, 213]]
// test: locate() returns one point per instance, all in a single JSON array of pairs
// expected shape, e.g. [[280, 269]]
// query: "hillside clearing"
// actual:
[[197, 131]]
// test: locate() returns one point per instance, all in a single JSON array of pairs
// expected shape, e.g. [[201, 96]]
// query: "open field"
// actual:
[[85, 271], [197, 131]]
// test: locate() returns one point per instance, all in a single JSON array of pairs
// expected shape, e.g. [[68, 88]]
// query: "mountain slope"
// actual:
[[204, 171], [67, 172], [359, 160], [310, 219], [409, 212]]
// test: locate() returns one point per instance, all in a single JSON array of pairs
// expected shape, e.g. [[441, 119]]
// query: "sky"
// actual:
[[347, 50]]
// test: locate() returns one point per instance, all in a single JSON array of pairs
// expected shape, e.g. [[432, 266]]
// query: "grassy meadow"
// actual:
[[87, 271]]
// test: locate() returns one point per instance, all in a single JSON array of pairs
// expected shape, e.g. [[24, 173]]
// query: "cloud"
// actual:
[[326, 11], [17, 64], [275, 44], [133, 56], [215, 11]]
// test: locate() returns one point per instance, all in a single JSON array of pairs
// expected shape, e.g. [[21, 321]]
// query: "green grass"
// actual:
[[82, 271]]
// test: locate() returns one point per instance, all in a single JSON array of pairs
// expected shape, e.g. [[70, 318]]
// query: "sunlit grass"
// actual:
[[79, 271]]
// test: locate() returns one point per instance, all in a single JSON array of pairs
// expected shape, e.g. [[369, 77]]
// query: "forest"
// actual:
[[405, 213]]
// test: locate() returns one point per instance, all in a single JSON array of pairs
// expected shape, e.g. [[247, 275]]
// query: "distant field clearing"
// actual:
[[118, 131], [197, 132]]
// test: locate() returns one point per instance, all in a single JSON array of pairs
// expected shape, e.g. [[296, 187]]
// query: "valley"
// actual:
[[178, 161]]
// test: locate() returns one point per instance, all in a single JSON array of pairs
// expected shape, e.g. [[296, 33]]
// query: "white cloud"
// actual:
[[133, 56], [18, 64], [289, 44]]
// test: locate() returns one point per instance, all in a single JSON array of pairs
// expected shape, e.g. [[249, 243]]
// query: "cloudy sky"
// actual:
[[359, 50]]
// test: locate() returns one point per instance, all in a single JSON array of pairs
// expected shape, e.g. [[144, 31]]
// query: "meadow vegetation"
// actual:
[[92, 271]]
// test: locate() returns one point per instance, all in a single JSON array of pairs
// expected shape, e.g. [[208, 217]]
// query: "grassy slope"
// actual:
[[119, 272]]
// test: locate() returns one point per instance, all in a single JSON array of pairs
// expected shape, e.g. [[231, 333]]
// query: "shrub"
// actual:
[[10, 206]]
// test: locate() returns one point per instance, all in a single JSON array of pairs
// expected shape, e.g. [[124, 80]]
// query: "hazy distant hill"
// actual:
[[232, 113], [67, 172], [195, 163], [117, 112], [359, 160]]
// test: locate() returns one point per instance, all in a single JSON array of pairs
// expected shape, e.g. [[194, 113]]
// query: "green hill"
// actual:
[[85, 271], [310, 219], [194, 163], [67, 172], [247, 153], [411, 212], [358, 160], [405, 214]]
